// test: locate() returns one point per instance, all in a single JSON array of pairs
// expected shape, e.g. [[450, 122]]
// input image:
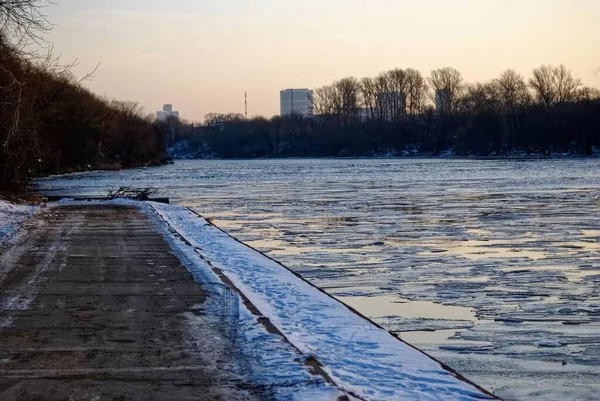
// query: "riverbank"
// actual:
[[407, 156], [192, 150]]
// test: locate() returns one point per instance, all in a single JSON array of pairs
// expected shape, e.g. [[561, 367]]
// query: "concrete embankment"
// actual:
[[95, 306], [136, 301]]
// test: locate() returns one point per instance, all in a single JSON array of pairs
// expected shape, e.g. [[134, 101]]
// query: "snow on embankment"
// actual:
[[361, 358], [11, 217]]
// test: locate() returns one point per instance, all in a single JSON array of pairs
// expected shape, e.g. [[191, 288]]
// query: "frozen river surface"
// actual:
[[491, 266]]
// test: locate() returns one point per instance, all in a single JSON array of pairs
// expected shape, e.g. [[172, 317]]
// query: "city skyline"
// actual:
[[205, 56]]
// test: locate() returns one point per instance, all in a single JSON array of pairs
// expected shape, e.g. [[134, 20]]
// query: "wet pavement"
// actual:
[[94, 306]]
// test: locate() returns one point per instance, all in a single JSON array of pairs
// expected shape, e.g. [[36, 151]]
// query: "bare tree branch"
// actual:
[[23, 21]]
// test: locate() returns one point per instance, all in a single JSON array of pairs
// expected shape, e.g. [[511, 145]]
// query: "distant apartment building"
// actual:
[[166, 112], [296, 101]]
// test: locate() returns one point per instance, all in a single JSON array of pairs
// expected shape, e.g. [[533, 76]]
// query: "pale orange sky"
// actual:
[[201, 55]]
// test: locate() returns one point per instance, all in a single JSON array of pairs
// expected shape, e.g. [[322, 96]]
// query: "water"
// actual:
[[491, 266]]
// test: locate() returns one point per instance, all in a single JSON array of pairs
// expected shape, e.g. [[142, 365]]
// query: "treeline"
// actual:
[[402, 112], [50, 123]]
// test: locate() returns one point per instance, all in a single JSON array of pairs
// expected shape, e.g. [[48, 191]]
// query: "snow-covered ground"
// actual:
[[11, 217], [362, 359]]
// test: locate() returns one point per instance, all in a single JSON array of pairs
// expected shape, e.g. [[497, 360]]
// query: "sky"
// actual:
[[202, 55]]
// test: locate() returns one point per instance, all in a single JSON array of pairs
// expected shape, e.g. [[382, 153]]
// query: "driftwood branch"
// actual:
[[131, 193]]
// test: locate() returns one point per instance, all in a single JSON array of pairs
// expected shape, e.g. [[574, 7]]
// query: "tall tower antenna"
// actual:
[[246, 104]]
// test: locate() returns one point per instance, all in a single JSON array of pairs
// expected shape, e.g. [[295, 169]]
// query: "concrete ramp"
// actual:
[[94, 306]]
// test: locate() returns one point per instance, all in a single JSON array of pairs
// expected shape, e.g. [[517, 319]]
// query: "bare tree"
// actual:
[[368, 90], [395, 99], [566, 85], [447, 84], [417, 91], [341, 100], [382, 85], [213, 119], [586, 93], [554, 85], [324, 101], [479, 98], [129, 109], [22, 21], [512, 91], [347, 99], [48, 121], [542, 83], [513, 95]]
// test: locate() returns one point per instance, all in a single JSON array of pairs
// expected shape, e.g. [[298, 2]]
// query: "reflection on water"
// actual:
[[378, 306], [483, 249], [590, 233], [386, 310]]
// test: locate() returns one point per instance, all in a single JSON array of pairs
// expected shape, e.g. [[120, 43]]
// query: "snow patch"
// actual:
[[11, 217]]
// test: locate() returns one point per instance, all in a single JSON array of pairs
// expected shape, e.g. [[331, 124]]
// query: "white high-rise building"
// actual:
[[296, 101], [166, 112]]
